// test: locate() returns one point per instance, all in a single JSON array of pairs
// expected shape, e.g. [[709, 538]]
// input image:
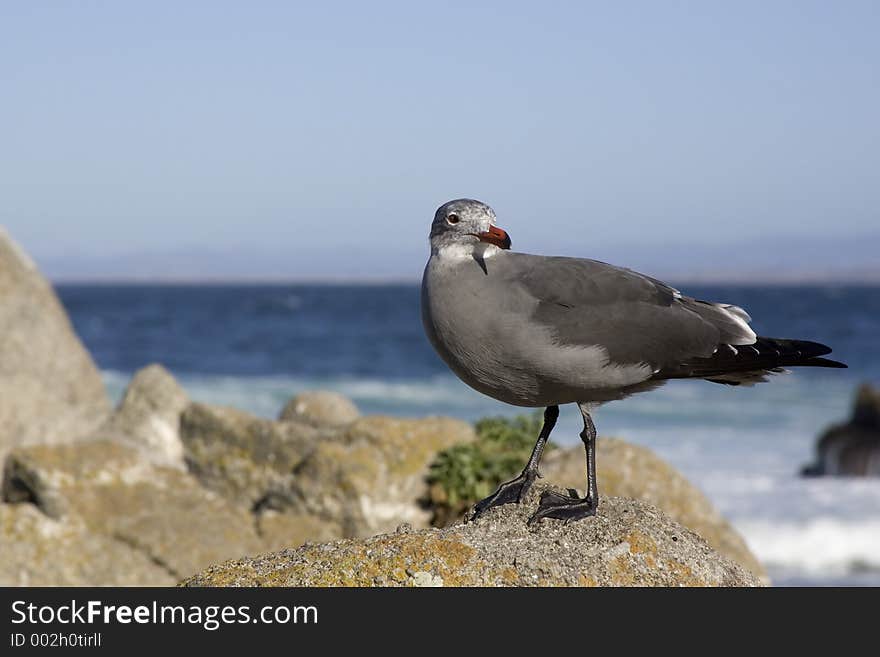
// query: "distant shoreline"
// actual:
[[368, 282]]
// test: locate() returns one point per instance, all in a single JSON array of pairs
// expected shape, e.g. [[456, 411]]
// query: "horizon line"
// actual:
[[872, 279]]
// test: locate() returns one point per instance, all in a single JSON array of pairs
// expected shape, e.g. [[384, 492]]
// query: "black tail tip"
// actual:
[[803, 353], [826, 362], [808, 348]]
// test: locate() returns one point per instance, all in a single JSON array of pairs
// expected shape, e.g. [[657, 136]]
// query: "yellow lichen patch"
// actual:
[[585, 580], [640, 544], [508, 575], [621, 571], [683, 573], [386, 560], [443, 557]]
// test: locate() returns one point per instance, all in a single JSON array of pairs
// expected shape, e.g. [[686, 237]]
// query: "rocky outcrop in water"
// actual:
[[628, 543], [853, 447]]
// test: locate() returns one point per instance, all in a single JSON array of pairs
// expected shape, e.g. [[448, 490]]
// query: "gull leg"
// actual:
[[515, 489], [569, 508]]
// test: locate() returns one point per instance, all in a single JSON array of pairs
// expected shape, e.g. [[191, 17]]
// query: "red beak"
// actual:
[[495, 236]]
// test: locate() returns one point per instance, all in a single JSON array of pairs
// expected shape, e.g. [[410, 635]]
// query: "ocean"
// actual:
[[255, 346]]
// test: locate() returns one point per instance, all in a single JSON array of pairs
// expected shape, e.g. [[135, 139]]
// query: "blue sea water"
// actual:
[[254, 347]]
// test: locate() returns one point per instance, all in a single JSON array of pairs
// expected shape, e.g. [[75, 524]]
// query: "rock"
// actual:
[[866, 408], [148, 417], [371, 474], [628, 543], [157, 511], [628, 470], [50, 390], [321, 408], [40, 551], [852, 448], [247, 459]]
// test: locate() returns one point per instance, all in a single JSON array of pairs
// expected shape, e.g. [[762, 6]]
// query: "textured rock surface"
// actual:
[[239, 490], [158, 511], [627, 470], [245, 458], [321, 408], [39, 551], [50, 390], [853, 447], [370, 475], [148, 417], [628, 543]]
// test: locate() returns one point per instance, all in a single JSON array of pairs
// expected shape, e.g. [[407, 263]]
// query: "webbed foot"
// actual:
[[568, 508], [510, 492]]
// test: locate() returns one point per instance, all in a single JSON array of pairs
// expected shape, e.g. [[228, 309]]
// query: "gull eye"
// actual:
[[452, 219]]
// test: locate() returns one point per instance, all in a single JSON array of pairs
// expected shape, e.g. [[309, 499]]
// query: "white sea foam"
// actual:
[[266, 395], [823, 546]]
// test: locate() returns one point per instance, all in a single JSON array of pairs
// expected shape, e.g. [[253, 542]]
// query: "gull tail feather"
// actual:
[[750, 364]]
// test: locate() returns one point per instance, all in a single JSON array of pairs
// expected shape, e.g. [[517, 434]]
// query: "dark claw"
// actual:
[[561, 507], [510, 492]]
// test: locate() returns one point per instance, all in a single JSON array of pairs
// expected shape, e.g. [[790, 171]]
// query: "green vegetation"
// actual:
[[464, 474]]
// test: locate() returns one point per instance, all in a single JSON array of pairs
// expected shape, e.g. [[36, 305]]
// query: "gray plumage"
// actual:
[[543, 331], [535, 330]]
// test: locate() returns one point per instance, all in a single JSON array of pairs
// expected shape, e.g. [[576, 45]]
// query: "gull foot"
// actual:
[[561, 507], [509, 492]]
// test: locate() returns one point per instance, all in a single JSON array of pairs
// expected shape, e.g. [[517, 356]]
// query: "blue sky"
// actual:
[[273, 140]]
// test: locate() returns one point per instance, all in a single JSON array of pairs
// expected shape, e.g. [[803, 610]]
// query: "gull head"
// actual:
[[465, 225]]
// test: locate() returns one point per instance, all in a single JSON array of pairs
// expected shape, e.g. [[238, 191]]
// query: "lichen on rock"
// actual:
[[628, 543], [241, 456], [371, 475], [113, 491], [41, 551]]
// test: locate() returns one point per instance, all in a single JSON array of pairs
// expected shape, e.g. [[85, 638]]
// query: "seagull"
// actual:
[[540, 331]]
